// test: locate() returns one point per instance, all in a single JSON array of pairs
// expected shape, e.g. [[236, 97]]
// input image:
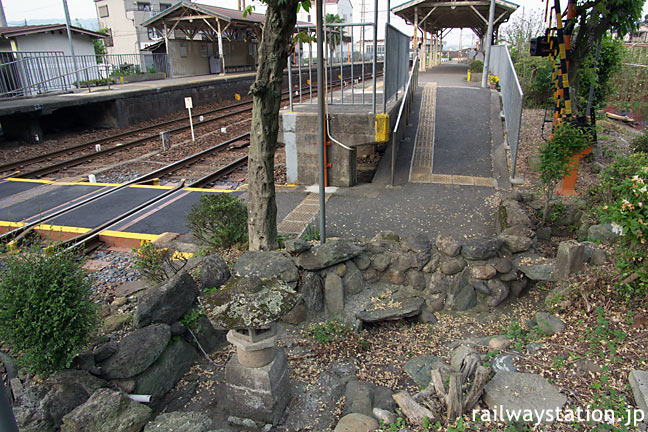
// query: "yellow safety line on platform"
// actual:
[[129, 235], [62, 228], [29, 180], [80, 230]]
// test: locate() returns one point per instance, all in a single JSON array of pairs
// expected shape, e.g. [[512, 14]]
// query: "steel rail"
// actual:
[[210, 178]]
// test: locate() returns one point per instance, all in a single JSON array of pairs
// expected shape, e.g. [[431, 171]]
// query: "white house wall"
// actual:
[[56, 41]]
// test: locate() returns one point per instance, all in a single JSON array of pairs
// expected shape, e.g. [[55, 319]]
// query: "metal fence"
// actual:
[[512, 96], [396, 62], [31, 73], [403, 114]]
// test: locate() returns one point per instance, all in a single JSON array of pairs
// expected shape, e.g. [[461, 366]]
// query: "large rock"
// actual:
[[137, 352], [334, 294], [481, 248], [359, 398], [353, 280], [516, 244], [522, 392], [391, 309], [448, 245], [639, 385], [266, 265], [420, 368], [213, 272], [498, 292], [461, 295], [381, 262], [450, 266], [328, 254], [174, 362], [570, 259], [311, 287], [168, 302], [42, 406], [548, 324], [107, 410], [355, 422], [192, 421], [510, 213], [602, 234], [208, 337], [416, 243], [296, 246], [536, 268]]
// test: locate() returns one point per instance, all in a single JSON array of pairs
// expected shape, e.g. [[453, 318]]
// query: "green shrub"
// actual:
[[626, 207], [640, 143], [327, 331], [534, 74], [158, 264], [45, 310], [555, 158], [219, 220], [476, 66]]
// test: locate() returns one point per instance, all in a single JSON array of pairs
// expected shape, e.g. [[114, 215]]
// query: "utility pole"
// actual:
[[321, 117], [69, 33], [489, 40]]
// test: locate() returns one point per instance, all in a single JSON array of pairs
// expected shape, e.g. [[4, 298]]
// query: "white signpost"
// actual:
[[189, 105]]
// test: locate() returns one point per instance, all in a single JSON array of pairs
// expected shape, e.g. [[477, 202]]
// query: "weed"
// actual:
[[158, 264], [327, 331]]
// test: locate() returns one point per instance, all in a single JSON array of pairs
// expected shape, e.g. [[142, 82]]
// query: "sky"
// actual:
[[18, 10]]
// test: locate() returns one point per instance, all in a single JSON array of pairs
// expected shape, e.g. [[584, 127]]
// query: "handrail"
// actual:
[[74, 72], [406, 100]]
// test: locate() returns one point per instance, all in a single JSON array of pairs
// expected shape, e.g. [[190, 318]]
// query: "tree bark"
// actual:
[[275, 46]]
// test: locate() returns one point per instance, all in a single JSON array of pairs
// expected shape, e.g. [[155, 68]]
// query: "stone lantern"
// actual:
[[257, 378]]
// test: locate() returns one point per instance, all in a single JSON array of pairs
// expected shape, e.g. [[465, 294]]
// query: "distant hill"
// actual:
[[87, 23]]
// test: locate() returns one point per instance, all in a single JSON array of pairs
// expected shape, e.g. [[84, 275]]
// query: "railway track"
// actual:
[[20, 233], [17, 168]]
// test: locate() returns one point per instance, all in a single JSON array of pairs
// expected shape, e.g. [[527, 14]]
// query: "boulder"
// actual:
[[499, 291], [503, 265], [396, 277], [105, 350], [168, 302], [415, 279], [353, 280], [359, 398], [208, 337], [116, 322], [41, 406], [499, 343], [107, 410], [522, 392], [483, 272], [548, 324], [328, 254], [450, 266], [416, 243], [297, 315], [536, 268], [570, 259], [420, 368], [461, 295], [311, 288], [510, 213], [599, 257], [448, 245], [355, 422], [391, 309], [296, 246], [214, 272], [334, 294], [602, 234], [137, 351], [481, 248], [362, 261], [266, 265], [191, 421], [516, 244], [517, 286], [381, 262], [433, 264], [174, 362], [504, 362], [519, 231]]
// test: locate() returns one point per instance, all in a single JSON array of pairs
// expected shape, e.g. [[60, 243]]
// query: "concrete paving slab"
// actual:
[[38, 206], [10, 187]]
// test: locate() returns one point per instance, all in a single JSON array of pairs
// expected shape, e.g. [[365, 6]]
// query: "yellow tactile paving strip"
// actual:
[[423, 157], [297, 220]]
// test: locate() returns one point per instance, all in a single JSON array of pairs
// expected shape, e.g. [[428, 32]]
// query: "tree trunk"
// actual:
[[275, 46]]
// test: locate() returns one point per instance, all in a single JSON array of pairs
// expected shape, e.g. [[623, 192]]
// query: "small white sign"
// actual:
[[188, 103], [223, 130]]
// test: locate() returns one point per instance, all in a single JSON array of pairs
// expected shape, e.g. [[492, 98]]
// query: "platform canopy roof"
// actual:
[[435, 15], [193, 18]]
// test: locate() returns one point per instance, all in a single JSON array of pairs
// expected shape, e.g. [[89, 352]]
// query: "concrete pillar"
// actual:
[[220, 47], [424, 53]]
